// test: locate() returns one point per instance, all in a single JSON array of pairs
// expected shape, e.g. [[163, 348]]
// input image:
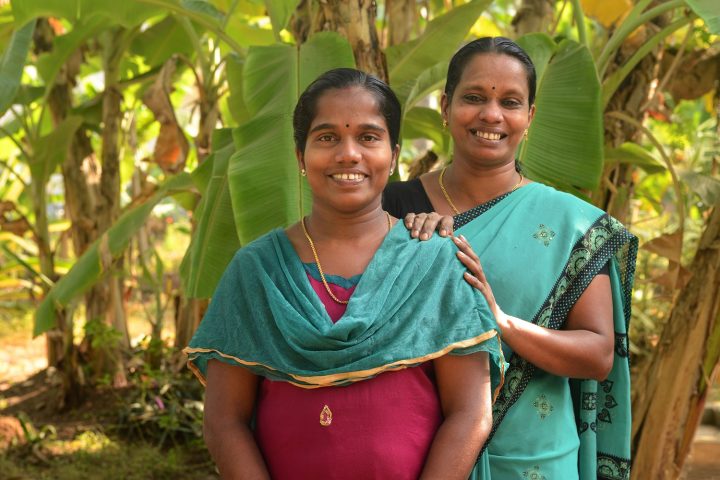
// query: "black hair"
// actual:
[[499, 45], [339, 78]]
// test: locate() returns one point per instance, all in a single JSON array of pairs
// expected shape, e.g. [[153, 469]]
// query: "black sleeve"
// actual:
[[401, 198]]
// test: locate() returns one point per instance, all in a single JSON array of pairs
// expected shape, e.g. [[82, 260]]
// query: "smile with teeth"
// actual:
[[355, 177], [487, 135]]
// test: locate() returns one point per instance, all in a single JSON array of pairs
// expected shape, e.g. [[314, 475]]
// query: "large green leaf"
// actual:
[[265, 185], [709, 11], [12, 63], [161, 41], [426, 123], [50, 150], [431, 79], [98, 257], [565, 145], [540, 47], [127, 13], [234, 65], [280, 12], [215, 240], [443, 35]]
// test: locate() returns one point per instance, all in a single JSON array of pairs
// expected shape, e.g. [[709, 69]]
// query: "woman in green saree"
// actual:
[[561, 269], [331, 349]]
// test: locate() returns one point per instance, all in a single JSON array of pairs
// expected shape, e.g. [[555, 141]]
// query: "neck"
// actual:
[[469, 185], [325, 224]]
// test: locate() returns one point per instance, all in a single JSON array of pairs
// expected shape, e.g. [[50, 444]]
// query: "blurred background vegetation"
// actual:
[[142, 142]]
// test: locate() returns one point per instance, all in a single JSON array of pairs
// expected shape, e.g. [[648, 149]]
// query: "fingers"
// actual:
[[469, 258], [446, 226]]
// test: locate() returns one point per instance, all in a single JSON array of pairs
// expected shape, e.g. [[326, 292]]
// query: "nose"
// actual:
[[491, 112], [349, 151]]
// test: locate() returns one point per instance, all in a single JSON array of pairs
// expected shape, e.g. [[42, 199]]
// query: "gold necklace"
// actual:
[[447, 195], [317, 259]]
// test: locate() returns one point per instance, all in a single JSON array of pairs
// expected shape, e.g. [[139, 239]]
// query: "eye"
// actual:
[[369, 138], [473, 98], [326, 137], [512, 103]]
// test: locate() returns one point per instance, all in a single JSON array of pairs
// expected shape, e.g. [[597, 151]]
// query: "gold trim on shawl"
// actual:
[[317, 381]]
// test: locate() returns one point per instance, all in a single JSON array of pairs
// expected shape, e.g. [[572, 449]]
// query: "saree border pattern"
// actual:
[[605, 238]]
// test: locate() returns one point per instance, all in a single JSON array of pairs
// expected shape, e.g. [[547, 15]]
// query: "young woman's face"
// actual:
[[348, 155], [489, 110]]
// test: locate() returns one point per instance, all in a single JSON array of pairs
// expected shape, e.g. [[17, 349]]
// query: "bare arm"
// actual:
[[464, 388], [583, 349], [229, 404]]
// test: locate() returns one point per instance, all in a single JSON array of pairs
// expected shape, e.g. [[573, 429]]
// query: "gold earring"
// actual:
[[445, 124], [391, 171], [526, 134], [302, 172]]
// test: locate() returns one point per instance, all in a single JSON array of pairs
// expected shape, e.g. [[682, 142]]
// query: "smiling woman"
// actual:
[[331, 337], [561, 269]]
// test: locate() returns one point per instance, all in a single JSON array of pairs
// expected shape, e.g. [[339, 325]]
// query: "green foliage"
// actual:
[[442, 36], [565, 142], [709, 11], [264, 179], [11, 64], [165, 407], [95, 262], [215, 239], [280, 12]]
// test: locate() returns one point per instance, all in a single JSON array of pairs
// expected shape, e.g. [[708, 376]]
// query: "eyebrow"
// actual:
[[364, 126]]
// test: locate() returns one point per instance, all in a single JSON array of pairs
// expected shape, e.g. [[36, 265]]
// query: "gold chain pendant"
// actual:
[[325, 416]]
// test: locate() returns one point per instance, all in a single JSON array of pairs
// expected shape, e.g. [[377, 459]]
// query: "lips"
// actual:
[[492, 136]]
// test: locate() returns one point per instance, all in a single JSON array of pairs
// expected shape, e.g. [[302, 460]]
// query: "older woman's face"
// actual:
[[489, 111]]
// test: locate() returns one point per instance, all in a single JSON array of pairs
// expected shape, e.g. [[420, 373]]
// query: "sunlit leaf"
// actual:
[[565, 146], [607, 12], [540, 47], [633, 154], [709, 11], [89, 268], [159, 42], [280, 12], [442, 37], [426, 123], [12, 63], [215, 240]]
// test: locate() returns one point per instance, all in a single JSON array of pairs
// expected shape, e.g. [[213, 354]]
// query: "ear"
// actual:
[[531, 115], [444, 106], [299, 157], [395, 155]]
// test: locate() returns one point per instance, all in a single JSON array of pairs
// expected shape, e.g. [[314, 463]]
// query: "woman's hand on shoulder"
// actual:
[[423, 225], [475, 276]]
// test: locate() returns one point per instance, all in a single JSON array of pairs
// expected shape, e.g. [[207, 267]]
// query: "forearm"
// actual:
[[456, 446], [235, 451], [567, 353]]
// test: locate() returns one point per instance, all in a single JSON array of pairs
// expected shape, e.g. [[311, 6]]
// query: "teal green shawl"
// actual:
[[410, 306], [540, 249]]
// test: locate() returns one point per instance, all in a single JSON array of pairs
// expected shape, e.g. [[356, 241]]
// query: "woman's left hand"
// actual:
[[476, 277]]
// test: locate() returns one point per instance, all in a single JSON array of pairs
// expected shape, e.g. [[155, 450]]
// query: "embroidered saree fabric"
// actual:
[[540, 249], [410, 306]]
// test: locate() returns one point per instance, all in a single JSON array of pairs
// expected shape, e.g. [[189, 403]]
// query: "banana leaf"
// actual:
[[12, 63]]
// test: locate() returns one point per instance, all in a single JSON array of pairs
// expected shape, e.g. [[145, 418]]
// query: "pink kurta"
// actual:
[[380, 428]]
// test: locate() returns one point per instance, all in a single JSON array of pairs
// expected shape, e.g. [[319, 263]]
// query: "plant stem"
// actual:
[[580, 22]]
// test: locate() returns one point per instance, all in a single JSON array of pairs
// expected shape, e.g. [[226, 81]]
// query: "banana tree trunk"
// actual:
[[402, 18], [355, 20], [665, 410], [533, 16]]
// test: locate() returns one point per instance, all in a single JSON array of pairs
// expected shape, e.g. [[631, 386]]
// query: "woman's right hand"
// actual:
[[475, 276], [423, 225]]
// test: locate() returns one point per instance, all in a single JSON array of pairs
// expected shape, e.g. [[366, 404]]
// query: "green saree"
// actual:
[[540, 249]]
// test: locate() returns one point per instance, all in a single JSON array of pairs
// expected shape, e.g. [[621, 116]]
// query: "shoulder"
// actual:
[[259, 250], [564, 204]]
